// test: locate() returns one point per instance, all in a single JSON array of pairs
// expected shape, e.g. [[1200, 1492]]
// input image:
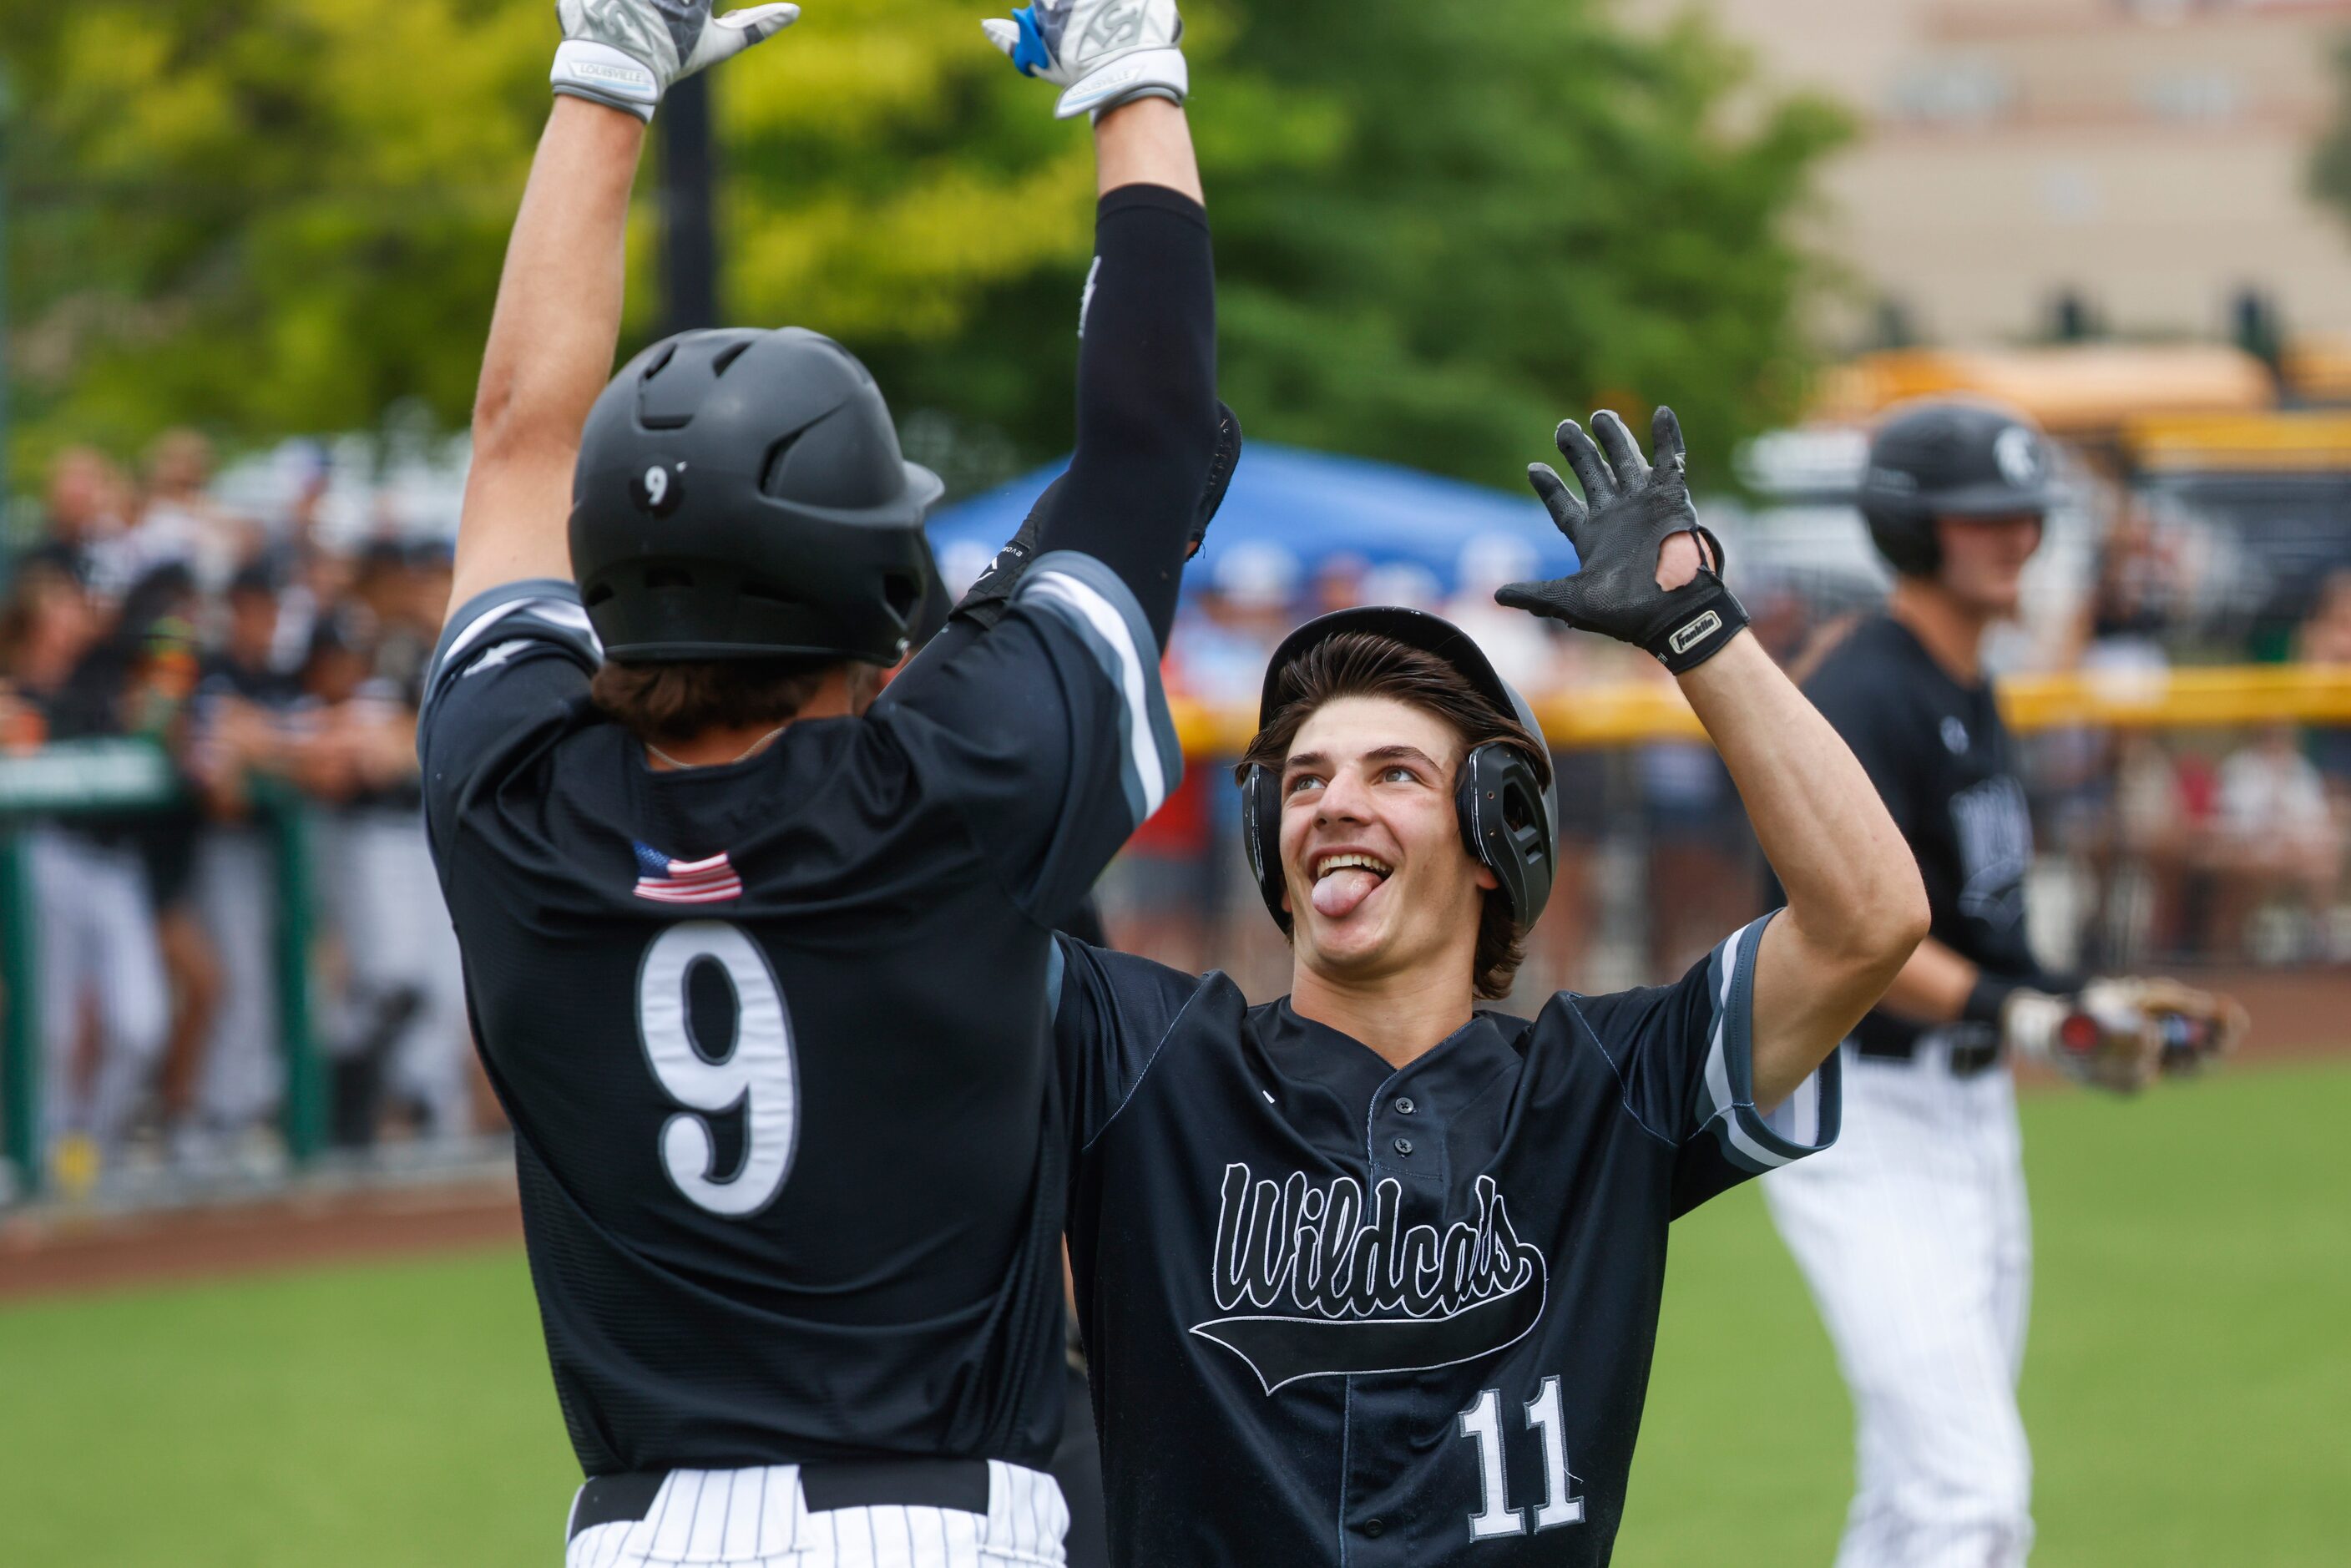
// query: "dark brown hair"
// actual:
[[677, 702], [1366, 665]]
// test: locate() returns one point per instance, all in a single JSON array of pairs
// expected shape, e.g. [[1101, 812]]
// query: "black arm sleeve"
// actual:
[[1146, 397]]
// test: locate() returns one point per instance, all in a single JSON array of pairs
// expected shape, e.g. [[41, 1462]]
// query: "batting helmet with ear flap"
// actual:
[[1509, 811], [740, 494], [1949, 458]]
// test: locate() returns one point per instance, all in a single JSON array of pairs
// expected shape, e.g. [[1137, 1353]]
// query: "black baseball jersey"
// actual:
[[1945, 765], [1337, 1312], [774, 1037]]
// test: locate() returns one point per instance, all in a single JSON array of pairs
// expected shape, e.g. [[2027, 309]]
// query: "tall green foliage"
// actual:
[[1530, 214], [1439, 227], [2330, 160]]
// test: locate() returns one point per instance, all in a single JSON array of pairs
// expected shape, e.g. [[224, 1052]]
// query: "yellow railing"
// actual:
[[1631, 713]]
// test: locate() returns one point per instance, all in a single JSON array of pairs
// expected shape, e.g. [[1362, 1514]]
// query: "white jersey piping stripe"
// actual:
[[569, 617], [1111, 626], [1719, 1093]]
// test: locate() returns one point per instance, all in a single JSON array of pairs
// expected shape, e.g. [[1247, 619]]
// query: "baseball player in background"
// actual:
[[756, 960], [240, 712], [1370, 1275], [1913, 1232]]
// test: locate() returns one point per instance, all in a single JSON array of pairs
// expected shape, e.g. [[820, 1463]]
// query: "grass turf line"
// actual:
[[2187, 1385]]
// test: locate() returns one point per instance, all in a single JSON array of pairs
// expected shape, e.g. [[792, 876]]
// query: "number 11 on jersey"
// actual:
[[1482, 1424]]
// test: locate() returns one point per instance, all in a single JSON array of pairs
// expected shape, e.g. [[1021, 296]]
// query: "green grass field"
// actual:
[[2189, 1384]]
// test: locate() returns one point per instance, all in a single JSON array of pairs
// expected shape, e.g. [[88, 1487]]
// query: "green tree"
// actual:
[[2330, 160], [280, 215], [1439, 228], [258, 215], [1530, 213]]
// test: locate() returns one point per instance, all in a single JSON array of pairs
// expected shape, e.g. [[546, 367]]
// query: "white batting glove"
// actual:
[[1101, 53], [2102, 1036], [624, 54]]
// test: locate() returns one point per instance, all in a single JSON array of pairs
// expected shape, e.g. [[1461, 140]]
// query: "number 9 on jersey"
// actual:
[[759, 1075]]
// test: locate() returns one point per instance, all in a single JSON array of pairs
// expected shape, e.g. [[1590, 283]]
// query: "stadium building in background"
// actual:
[[2029, 169]]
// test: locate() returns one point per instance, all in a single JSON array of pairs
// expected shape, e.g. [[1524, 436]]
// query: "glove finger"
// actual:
[[1624, 452], [1567, 513], [1004, 35], [2235, 1023], [758, 22], [1665, 441], [1535, 597], [1590, 468]]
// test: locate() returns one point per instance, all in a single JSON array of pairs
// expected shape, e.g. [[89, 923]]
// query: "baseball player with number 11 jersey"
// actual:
[[1370, 1275]]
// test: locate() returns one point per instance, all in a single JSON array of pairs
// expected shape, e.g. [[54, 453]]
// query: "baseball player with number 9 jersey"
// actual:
[[757, 957]]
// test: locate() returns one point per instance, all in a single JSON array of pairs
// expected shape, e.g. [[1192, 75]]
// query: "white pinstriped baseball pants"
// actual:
[[1915, 1236], [759, 1519]]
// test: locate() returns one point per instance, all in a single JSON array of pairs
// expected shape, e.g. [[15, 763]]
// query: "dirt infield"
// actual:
[[2297, 1013], [2297, 1016], [53, 1252]]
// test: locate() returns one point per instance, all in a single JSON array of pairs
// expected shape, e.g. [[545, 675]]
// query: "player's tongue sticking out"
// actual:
[[1345, 883]]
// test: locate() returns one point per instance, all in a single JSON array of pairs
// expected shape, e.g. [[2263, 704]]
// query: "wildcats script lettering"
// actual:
[[1368, 1292]]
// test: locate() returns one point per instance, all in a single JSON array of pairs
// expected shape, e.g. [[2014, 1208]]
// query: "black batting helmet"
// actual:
[[1509, 812], [740, 494], [1949, 458]]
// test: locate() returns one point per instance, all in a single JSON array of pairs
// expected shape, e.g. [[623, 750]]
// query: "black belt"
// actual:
[[1974, 1050], [958, 1484]]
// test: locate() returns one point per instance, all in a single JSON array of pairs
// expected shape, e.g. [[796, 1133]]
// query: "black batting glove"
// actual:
[[1628, 512], [984, 602]]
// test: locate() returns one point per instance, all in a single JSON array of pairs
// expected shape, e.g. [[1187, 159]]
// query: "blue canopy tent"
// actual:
[[1293, 511]]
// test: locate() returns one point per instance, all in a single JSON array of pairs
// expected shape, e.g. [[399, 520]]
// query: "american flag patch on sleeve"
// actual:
[[667, 880]]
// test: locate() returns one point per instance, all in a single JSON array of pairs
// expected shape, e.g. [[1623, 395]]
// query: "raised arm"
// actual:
[[1147, 415], [1146, 431], [557, 319], [1856, 906]]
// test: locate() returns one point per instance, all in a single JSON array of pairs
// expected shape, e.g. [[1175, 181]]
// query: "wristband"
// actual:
[[1703, 625], [602, 74], [1987, 996]]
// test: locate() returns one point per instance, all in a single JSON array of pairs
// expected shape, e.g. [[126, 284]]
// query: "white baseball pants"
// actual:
[[760, 1519], [244, 1073], [95, 937], [1915, 1236], [386, 901]]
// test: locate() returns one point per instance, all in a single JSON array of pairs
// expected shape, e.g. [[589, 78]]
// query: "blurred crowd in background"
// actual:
[[2158, 846], [268, 627], [277, 660]]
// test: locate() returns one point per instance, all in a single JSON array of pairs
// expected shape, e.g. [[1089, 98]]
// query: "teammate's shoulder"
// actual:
[[1863, 681], [494, 623], [1566, 1012], [1082, 593], [1855, 649], [1128, 978]]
